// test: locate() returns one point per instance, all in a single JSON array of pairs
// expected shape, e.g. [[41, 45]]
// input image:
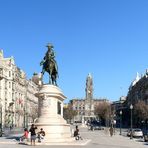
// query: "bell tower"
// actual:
[[89, 87], [89, 107]]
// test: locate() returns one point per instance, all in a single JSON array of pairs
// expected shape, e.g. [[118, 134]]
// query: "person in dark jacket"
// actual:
[[41, 135], [111, 131], [33, 134], [77, 134]]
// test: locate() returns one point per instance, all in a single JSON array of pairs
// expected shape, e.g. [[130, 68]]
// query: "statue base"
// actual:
[[51, 119]]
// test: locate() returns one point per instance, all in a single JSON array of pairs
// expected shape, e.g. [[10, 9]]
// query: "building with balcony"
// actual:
[[138, 90], [17, 97]]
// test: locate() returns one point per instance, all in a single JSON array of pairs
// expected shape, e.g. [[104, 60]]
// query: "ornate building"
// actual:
[[17, 99], [138, 90], [86, 107]]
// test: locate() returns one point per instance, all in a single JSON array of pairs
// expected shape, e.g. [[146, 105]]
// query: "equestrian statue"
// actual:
[[49, 65]]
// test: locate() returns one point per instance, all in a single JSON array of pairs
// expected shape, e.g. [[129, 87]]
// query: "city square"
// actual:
[[74, 74]]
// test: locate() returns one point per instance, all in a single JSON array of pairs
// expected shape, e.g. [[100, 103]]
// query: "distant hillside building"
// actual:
[[86, 107]]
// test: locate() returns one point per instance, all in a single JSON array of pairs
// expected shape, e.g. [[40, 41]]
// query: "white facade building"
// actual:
[[17, 98]]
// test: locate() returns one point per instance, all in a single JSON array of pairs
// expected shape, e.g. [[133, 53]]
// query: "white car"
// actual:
[[137, 133]]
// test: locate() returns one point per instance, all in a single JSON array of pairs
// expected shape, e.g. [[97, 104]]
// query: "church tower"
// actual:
[[89, 107], [89, 87]]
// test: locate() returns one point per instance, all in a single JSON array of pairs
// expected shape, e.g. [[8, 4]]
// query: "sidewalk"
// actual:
[[13, 136]]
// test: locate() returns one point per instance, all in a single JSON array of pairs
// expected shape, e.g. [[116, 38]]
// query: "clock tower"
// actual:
[[89, 107], [89, 87]]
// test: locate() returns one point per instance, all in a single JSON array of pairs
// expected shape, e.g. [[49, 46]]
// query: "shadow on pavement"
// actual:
[[17, 138]]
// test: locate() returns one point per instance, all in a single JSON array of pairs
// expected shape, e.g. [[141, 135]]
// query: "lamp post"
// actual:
[[131, 108], [120, 121]]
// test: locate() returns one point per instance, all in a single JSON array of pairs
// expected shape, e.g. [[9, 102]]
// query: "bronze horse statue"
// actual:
[[50, 65]]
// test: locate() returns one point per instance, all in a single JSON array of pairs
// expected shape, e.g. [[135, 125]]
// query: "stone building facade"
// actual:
[[16, 94], [138, 90], [86, 107]]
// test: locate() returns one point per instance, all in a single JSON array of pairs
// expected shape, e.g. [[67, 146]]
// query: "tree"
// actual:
[[140, 111], [69, 113], [33, 113], [103, 111]]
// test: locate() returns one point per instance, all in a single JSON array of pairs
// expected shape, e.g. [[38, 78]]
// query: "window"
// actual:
[[9, 73], [59, 107], [9, 84]]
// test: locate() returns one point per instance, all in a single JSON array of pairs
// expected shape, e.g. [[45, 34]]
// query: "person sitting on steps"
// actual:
[[25, 135], [76, 134], [41, 135]]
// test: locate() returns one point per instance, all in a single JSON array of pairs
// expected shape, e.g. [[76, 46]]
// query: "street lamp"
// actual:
[[120, 121], [131, 108]]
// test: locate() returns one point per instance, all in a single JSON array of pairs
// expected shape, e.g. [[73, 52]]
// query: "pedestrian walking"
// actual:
[[111, 131]]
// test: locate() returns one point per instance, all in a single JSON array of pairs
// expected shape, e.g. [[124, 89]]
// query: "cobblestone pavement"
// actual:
[[99, 139]]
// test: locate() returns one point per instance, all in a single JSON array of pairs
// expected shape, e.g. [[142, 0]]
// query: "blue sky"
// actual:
[[107, 38]]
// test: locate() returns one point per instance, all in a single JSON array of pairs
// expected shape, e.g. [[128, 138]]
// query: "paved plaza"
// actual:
[[100, 139]]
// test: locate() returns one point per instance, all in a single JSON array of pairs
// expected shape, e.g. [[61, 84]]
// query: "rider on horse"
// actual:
[[49, 63]]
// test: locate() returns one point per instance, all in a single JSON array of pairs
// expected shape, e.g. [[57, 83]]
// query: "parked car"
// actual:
[[136, 133], [95, 125]]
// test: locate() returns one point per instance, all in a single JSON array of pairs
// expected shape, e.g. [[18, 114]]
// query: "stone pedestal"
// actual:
[[50, 111]]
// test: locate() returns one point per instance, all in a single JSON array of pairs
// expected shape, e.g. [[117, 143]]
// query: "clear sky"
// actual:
[[107, 38]]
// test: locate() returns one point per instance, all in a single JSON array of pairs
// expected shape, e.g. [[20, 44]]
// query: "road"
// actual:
[[99, 139]]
